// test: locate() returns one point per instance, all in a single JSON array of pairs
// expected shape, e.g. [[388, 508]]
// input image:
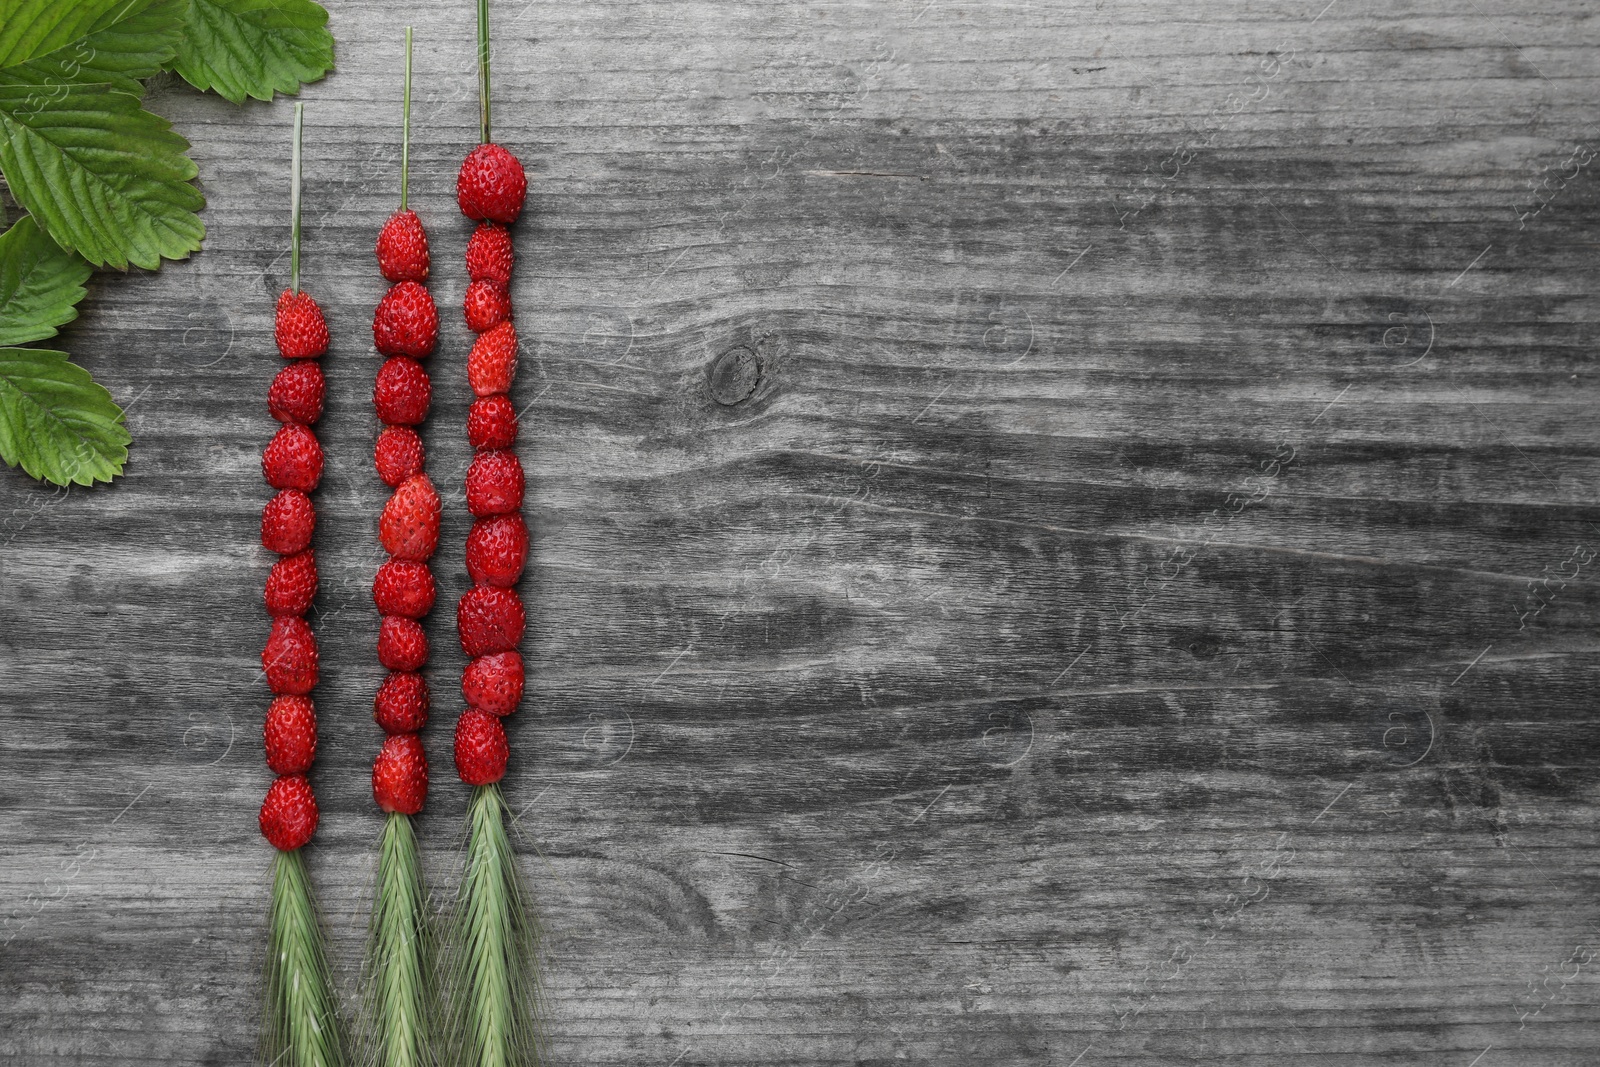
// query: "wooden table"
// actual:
[[1064, 534]]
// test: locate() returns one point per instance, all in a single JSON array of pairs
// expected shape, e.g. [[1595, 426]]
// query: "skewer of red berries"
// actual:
[[292, 464], [301, 1020], [493, 977], [490, 189], [490, 616], [405, 328]]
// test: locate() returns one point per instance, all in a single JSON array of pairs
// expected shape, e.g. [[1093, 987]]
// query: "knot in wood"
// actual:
[[734, 375]]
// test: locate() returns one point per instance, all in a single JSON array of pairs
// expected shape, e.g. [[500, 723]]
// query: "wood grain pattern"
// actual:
[[1127, 597]]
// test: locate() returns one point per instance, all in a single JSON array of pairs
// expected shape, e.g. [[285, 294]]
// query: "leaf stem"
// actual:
[[405, 129], [483, 71], [294, 200]]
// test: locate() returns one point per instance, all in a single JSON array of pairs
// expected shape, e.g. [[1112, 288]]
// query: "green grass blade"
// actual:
[[301, 1025], [401, 994], [494, 995]]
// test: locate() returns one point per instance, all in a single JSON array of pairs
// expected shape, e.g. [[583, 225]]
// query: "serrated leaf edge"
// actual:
[[84, 455]]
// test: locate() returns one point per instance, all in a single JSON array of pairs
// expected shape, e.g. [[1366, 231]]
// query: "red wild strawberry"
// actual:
[[289, 813], [406, 322], [492, 363], [401, 706], [492, 422], [403, 248], [398, 454], [293, 459], [402, 587], [481, 748], [296, 393], [287, 523], [486, 305], [496, 550], [290, 734], [400, 774], [290, 658], [292, 584], [402, 392], [489, 254], [489, 620], [494, 483], [409, 525], [301, 331], [491, 185], [402, 644], [493, 683]]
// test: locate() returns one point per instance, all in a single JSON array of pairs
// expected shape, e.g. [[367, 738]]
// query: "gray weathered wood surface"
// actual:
[[1130, 601]]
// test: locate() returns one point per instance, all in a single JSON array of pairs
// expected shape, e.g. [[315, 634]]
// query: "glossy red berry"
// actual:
[[497, 549], [409, 525], [492, 422], [404, 588], [289, 735], [493, 683], [398, 454], [289, 813], [486, 305], [494, 483], [400, 774], [491, 185], [290, 657], [402, 393], [287, 522], [293, 459], [297, 393], [401, 704], [489, 254], [481, 748], [402, 643], [489, 620], [292, 584], [403, 248], [492, 363], [300, 329], [406, 322]]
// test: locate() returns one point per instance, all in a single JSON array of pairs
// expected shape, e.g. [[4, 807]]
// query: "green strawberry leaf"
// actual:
[[246, 48], [40, 284], [56, 422], [102, 176], [112, 41]]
